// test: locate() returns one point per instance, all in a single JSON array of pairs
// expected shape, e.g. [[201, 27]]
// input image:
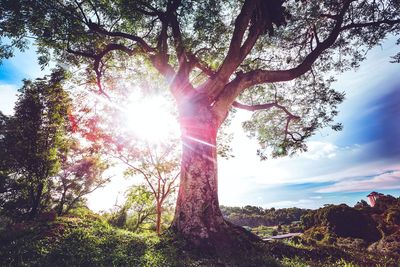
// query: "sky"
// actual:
[[339, 167]]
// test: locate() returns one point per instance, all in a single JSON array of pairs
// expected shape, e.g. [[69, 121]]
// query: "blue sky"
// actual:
[[340, 167]]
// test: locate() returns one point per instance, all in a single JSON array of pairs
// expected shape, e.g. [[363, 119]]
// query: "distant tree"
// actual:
[[269, 57], [30, 142], [343, 221], [362, 204]]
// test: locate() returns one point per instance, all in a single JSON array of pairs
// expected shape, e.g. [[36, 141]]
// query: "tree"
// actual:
[[158, 164], [81, 173], [273, 56], [140, 208], [31, 141]]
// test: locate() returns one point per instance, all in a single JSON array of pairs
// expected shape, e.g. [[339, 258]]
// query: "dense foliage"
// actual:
[[256, 216], [42, 164], [139, 212], [374, 228], [31, 141]]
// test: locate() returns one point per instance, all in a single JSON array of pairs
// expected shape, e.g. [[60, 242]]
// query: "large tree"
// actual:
[[274, 56]]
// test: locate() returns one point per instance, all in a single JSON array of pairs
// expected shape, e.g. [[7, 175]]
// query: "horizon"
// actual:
[[340, 167]]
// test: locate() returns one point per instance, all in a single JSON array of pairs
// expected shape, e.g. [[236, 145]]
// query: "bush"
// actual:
[[343, 221], [393, 216]]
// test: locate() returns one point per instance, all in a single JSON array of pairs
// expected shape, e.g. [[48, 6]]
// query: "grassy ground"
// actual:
[[90, 241]]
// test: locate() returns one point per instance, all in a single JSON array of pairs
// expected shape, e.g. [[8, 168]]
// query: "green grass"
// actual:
[[91, 241], [88, 240]]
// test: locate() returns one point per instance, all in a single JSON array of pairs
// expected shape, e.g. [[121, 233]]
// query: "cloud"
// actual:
[[316, 197], [8, 97], [385, 181], [289, 203], [319, 150]]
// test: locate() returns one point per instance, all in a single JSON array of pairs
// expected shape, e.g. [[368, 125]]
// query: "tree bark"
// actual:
[[61, 204], [36, 202], [158, 218], [197, 213]]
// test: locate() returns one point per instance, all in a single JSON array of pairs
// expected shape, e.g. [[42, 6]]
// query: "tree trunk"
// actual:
[[61, 204], [197, 213], [36, 202], [158, 218]]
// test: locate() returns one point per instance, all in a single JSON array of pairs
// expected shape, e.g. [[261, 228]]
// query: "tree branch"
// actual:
[[234, 55], [264, 107], [251, 78], [142, 43], [289, 116], [371, 23], [97, 65]]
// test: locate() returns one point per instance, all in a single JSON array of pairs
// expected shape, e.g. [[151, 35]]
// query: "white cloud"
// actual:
[[384, 181], [8, 96], [319, 150], [316, 197], [289, 203]]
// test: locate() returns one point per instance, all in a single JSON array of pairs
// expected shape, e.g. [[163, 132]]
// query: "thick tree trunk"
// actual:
[[197, 213]]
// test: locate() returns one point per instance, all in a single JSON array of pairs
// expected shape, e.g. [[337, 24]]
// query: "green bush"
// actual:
[[393, 216]]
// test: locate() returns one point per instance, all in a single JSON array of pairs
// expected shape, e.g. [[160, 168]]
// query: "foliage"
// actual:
[[256, 216], [139, 213], [43, 164], [362, 227], [81, 173], [31, 142], [286, 38], [343, 221], [158, 165]]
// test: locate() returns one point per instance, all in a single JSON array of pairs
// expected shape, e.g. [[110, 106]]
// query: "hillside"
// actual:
[[84, 238]]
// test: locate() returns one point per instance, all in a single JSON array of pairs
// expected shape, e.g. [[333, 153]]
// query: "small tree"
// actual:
[[139, 207], [158, 165], [81, 173]]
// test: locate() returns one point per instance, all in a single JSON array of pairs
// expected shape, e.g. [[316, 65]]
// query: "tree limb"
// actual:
[[264, 107], [142, 43], [259, 76]]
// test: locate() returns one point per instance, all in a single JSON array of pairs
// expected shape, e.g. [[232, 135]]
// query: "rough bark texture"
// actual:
[[197, 214]]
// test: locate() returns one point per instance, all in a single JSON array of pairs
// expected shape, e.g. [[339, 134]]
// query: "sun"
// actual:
[[150, 118]]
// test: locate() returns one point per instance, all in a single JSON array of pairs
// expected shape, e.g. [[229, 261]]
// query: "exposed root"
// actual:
[[231, 245]]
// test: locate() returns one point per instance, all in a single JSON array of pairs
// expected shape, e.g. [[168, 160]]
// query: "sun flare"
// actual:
[[151, 118]]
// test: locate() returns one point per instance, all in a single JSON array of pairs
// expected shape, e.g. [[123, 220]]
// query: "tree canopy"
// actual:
[[224, 49]]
